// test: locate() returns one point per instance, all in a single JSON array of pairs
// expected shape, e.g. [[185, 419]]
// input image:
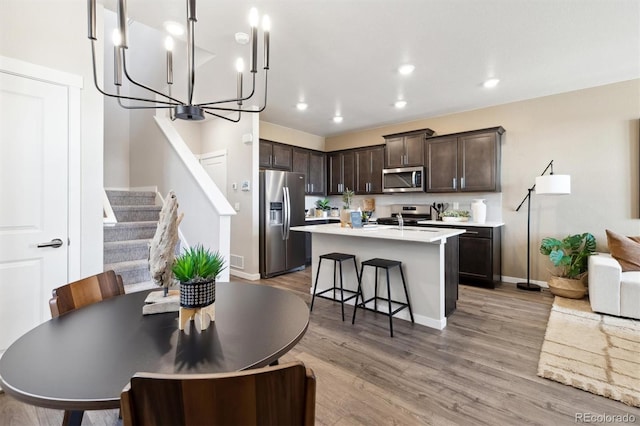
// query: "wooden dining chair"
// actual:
[[85, 292], [277, 395]]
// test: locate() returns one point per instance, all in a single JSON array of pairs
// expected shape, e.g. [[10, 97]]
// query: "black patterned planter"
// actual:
[[198, 294]]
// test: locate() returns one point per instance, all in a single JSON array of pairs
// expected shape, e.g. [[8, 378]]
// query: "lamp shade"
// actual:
[[553, 184]]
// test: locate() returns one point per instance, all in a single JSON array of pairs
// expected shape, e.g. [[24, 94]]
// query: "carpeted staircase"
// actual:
[[126, 244]]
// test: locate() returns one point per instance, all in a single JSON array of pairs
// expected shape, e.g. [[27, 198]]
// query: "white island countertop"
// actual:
[[387, 232]]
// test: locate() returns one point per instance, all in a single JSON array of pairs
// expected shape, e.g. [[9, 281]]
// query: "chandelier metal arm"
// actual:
[[226, 118], [118, 96], [126, 73], [240, 109], [253, 90]]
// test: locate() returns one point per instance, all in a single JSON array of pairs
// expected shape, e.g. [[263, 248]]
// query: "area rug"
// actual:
[[593, 352]]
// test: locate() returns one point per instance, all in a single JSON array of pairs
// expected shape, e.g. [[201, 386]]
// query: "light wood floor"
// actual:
[[480, 370]]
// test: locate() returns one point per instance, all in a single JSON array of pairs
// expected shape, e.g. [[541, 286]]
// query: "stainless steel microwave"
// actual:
[[403, 179]]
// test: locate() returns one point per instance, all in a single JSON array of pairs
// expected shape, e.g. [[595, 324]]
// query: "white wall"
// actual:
[[242, 165], [54, 34], [590, 134]]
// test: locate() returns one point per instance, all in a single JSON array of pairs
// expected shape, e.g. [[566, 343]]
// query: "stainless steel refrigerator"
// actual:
[[281, 207]]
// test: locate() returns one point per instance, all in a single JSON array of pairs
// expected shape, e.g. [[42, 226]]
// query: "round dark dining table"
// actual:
[[83, 359]]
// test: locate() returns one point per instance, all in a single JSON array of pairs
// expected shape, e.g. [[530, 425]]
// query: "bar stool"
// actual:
[[337, 258], [386, 265]]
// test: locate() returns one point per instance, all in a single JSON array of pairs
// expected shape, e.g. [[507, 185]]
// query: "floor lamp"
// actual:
[[545, 185]]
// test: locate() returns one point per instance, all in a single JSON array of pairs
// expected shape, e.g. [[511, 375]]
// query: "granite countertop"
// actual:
[[387, 232], [461, 224]]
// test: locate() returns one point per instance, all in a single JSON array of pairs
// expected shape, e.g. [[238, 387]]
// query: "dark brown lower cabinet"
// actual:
[[480, 254]]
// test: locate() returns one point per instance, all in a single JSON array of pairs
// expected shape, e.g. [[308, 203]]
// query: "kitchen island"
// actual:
[[429, 258]]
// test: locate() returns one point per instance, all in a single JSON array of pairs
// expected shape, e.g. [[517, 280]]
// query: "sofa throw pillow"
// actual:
[[626, 250]]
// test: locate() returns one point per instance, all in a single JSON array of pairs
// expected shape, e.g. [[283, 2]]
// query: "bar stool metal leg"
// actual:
[[389, 297], [315, 286], [406, 293], [358, 293], [341, 290]]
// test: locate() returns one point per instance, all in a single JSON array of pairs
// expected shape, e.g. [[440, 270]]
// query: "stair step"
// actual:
[[138, 213], [132, 272], [124, 231], [122, 251], [141, 286], [129, 198]]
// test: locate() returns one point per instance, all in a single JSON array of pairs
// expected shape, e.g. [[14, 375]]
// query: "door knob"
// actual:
[[55, 243]]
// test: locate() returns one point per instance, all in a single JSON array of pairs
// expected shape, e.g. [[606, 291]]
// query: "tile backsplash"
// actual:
[[493, 200]]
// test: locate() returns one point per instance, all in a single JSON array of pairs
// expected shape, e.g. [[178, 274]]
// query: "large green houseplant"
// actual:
[[570, 257]]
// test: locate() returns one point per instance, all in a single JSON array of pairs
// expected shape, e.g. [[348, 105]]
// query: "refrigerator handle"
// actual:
[[286, 220]]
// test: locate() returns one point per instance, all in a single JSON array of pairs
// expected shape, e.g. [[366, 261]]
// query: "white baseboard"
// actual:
[[524, 280], [244, 275]]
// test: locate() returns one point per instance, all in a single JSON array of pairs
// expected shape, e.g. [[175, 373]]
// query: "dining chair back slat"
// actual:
[[275, 395], [85, 292]]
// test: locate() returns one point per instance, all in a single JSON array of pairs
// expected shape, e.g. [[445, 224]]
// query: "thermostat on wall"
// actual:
[[245, 185]]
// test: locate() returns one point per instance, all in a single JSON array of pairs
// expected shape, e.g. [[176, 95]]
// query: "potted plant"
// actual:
[[455, 216], [322, 208], [570, 256], [196, 269]]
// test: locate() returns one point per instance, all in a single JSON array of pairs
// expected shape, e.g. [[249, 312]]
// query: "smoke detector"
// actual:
[[242, 38]]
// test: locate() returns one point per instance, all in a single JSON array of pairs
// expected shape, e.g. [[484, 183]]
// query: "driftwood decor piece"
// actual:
[[163, 244], [161, 257]]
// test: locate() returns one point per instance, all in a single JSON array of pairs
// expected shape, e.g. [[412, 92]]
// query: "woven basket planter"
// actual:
[[197, 294], [567, 287]]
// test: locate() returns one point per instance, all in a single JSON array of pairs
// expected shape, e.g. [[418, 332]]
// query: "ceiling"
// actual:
[[341, 56]]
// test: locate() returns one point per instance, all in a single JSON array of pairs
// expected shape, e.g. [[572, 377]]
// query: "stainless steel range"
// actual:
[[411, 214]]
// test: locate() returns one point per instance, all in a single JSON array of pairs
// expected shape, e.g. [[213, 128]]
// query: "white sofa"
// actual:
[[612, 291]]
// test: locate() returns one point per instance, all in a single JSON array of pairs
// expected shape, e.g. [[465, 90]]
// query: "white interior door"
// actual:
[[215, 164], [34, 140]]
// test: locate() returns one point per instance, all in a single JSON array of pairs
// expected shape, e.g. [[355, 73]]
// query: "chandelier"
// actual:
[[177, 108]]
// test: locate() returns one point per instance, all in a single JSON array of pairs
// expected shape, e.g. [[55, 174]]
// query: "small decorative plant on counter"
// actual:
[[196, 269], [570, 256], [322, 208], [455, 216]]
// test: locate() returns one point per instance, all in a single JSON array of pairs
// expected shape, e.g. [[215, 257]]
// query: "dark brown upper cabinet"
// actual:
[[341, 168], [274, 155], [312, 164], [405, 149], [369, 165], [464, 162]]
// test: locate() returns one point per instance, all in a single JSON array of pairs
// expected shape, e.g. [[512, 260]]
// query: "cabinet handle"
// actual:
[[311, 187], [461, 183], [471, 232], [454, 183], [270, 159]]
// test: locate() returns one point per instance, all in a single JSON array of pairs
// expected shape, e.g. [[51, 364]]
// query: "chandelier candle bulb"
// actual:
[[239, 68], [122, 23], [91, 12], [117, 61], [266, 28], [168, 44]]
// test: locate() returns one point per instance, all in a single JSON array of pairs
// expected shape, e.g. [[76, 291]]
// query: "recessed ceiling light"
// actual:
[[174, 28], [337, 119], [406, 69], [400, 104], [302, 106], [491, 83]]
